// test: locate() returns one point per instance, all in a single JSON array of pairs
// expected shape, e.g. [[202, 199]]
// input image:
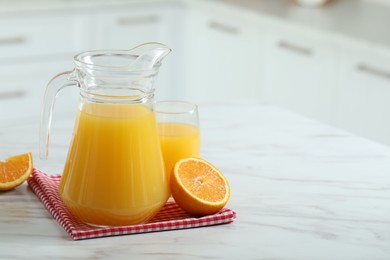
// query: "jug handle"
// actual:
[[57, 83]]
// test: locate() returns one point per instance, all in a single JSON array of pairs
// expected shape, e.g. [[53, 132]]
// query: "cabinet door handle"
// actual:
[[12, 94], [373, 71], [295, 48], [123, 21], [12, 40], [224, 28]]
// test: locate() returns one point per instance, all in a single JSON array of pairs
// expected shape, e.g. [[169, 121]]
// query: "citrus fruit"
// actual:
[[15, 170], [198, 187]]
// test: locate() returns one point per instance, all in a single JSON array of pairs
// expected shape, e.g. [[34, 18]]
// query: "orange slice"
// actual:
[[198, 187], [15, 170]]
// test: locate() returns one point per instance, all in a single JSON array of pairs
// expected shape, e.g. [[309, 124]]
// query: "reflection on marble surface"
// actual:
[[302, 190]]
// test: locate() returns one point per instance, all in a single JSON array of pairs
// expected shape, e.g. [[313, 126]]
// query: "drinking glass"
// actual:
[[178, 128]]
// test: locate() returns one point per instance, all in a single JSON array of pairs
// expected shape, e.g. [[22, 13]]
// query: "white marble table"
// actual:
[[302, 190]]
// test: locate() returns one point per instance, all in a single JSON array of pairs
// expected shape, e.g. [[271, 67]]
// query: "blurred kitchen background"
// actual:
[[328, 60]]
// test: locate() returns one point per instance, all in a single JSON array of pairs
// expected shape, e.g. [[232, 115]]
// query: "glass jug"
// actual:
[[114, 173]]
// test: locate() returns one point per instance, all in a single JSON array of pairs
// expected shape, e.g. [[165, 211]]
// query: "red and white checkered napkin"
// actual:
[[170, 217]]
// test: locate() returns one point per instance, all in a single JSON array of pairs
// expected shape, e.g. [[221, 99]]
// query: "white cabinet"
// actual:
[[33, 49], [32, 35], [301, 74], [127, 27], [363, 103], [223, 57], [23, 86]]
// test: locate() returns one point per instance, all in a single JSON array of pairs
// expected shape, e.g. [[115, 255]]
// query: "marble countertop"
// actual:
[[301, 189]]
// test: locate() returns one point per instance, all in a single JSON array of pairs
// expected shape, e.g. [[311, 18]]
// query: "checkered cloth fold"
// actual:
[[171, 216]]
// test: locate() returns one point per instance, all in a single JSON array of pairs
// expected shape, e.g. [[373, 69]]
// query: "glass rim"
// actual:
[[175, 107]]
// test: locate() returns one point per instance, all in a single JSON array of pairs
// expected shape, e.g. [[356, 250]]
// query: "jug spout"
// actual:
[[149, 55]]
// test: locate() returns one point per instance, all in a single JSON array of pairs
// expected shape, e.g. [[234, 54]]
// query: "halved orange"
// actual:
[[15, 170], [198, 187]]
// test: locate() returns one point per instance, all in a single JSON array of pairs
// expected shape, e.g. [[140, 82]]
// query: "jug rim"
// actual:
[[78, 60], [144, 57]]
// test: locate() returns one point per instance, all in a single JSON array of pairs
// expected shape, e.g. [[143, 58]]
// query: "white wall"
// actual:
[[385, 2]]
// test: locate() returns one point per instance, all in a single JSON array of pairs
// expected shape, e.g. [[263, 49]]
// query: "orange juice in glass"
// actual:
[[121, 188], [178, 128]]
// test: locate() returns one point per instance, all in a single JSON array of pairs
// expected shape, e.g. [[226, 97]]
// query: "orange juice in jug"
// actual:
[[104, 181]]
